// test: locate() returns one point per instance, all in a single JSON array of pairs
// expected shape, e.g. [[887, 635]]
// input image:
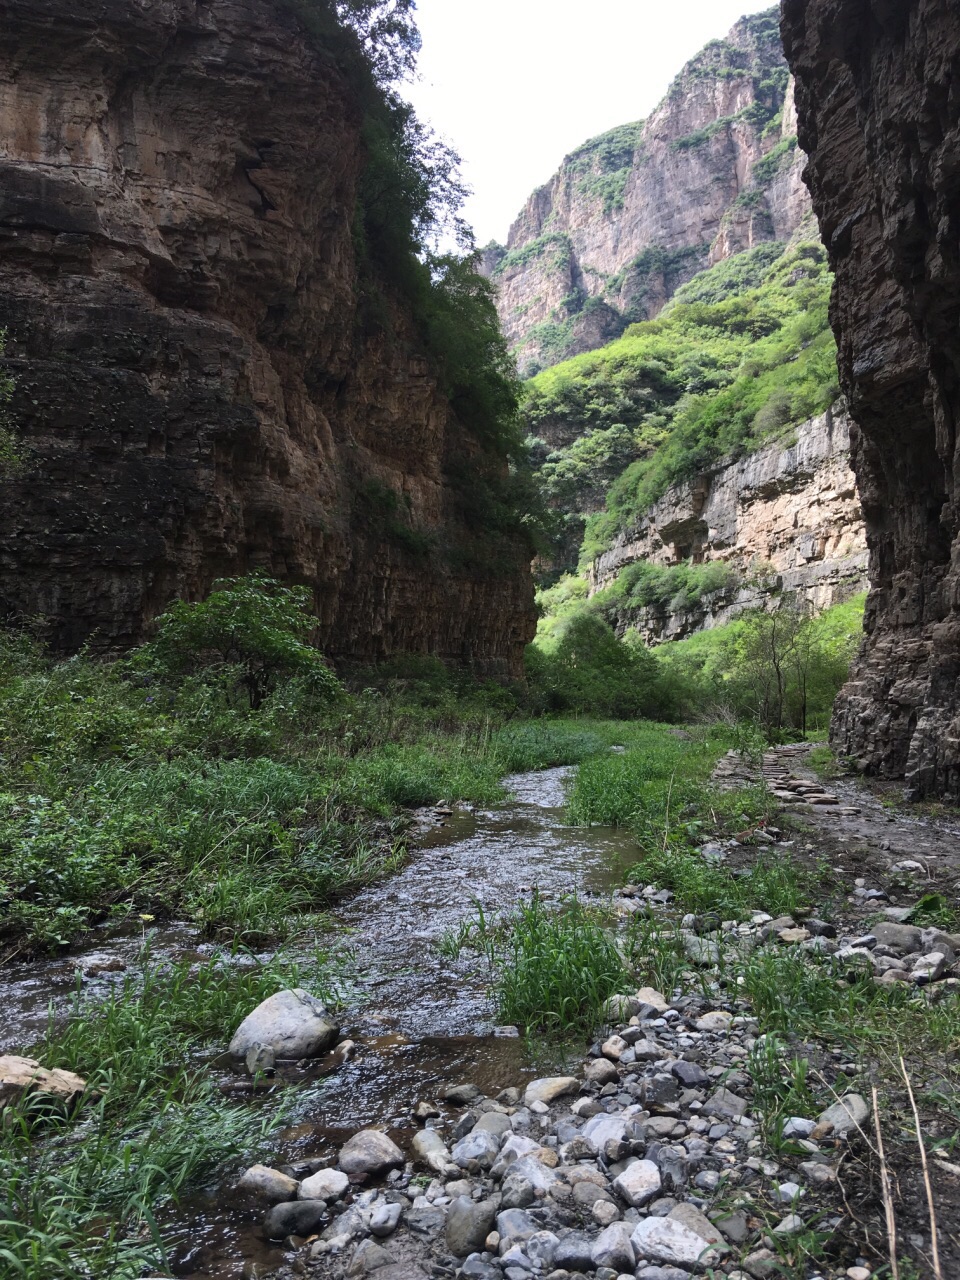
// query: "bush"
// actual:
[[252, 626], [592, 672]]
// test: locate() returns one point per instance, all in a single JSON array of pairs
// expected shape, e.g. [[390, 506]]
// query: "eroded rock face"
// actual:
[[879, 117], [781, 519], [633, 214], [196, 380]]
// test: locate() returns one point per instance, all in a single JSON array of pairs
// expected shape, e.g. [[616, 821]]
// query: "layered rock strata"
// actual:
[[633, 214], [782, 520], [879, 116], [198, 383]]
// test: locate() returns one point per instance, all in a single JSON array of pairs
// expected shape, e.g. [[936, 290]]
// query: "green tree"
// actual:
[[252, 626]]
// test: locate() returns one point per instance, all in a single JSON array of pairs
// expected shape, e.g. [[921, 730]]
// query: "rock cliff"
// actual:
[[783, 519], [203, 381], [633, 214], [879, 116]]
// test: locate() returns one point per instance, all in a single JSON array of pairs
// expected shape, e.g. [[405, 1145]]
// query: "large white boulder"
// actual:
[[293, 1023]]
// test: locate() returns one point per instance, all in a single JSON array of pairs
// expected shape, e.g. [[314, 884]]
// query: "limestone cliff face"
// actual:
[[879, 115], [195, 380], [781, 520], [635, 213]]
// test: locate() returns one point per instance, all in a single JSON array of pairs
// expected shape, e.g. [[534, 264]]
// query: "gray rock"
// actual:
[[325, 1184], [511, 1150], [612, 1248], [401, 1271], [514, 1227], [724, 1103], [269, 1184], [477, 1151], [691, 1217], [929, 967], [845, 1115], [666, 1240], [294, 1024], [368, 1257], [428, 1147], [674, 1168], [461, 1095], [469, 1222], [638, 1183], [601, 1071], [734, 1227], [427, 1222], [620, 1009], [294, 1218], [370, 1152], [797, 1127], [496, 1122], [541, 1249], [602, 1129], [789, 1226], [385, 1219], [574, 1253], [517, 1192], [260, 1060], [689, 1074], [660, 1090], [901, 938], [787, 1192]]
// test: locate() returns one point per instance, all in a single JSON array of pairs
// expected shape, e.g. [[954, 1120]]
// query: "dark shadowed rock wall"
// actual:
[[194, 380], [878, 99]]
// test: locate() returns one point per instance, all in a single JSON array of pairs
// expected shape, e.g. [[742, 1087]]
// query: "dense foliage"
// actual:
[[741, 354], [779, 669]]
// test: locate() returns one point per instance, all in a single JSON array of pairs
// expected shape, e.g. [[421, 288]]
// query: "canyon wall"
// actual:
[[633, 214], [781, 520], [200, 385], [878, 98]]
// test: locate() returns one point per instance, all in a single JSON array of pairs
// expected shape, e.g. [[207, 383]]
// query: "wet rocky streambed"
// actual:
[[494, 1160]]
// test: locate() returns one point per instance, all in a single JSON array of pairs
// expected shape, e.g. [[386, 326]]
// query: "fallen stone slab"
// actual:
[[850, 1112], [669, 1241], [19, 1076], [549, 1088]]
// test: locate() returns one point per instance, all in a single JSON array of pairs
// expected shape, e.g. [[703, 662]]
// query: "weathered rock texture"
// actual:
[[633, 214], [878, 96], [781, 519], [195, 380]]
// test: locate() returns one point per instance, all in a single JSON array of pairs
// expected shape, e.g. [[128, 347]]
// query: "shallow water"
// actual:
[[419, 1020]]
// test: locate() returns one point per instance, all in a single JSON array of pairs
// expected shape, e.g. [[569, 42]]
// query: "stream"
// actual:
[[420, 1020]]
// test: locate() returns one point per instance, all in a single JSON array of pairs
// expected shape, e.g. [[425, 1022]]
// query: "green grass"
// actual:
[[553, 966], [128, 794], [82, 1193]]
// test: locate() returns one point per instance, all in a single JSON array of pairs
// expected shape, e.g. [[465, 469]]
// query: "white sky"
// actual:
[[514, 85]]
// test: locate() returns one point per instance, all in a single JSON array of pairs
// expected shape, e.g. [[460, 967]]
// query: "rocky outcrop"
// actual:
[[879, 116], [781, 520], [205, 383], [633, 214]]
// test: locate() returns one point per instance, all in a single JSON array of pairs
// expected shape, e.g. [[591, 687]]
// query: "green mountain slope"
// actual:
[[741, 354]]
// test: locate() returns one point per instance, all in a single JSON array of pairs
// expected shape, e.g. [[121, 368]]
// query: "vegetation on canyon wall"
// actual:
[[742, 353], [778, 669]]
